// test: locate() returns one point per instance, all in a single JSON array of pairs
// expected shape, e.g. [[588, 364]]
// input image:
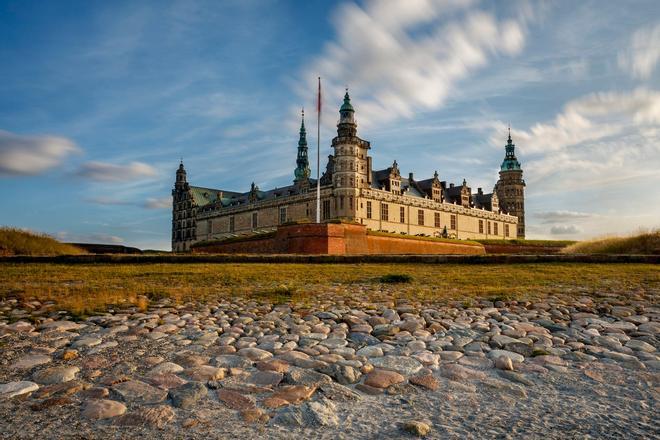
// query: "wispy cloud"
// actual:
[[561, 216], [29, 155], [108, 172], [641, 57], [160, 203], [150, 203], [565, 230], [597, 139], [401, 56]]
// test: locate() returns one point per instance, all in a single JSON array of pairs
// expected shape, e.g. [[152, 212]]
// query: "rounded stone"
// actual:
[[102, 409], [383, 378], [55, 375]]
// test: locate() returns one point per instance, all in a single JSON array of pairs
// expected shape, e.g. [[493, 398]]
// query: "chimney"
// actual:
[[479, 191], [451, 185], [410, 176]]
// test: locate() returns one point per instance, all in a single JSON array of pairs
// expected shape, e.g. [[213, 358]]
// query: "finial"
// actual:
[[303, 112], [509, 131]]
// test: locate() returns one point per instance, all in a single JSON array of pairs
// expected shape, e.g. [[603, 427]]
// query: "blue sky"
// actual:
[[99, 100]]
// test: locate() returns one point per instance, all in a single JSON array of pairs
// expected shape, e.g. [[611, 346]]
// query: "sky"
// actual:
[[99, 101]]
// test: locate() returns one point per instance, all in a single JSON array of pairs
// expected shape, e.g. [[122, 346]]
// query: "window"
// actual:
[[402, 214], [255, 220], [368, 209], [209, 227], [384, 212], [506, 230], [231, 224], [452, 221], [488, 228], [307, 210], [350, 203], [420, 217], [495, 228], [326, 209], [282, 214], [341, 202], [436, 218], [481, 226]]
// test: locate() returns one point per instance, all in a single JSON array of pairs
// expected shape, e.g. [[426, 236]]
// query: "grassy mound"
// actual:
[[18, 242], [647, 243]]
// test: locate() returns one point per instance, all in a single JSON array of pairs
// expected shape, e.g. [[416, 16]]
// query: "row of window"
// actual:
[[184, 235], [385, 215], [495, 228], [255, 220]]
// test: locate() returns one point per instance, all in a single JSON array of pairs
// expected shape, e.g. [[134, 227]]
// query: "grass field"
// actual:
[[86, 289]]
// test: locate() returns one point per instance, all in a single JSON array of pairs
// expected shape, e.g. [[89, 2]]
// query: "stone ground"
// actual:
[[566, 367]]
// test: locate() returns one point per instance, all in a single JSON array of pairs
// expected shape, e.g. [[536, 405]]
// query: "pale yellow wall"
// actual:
[[467, 225]]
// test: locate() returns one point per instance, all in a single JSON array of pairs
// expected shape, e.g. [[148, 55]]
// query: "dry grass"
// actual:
[[18, 242], [647, 243], [86, 289]]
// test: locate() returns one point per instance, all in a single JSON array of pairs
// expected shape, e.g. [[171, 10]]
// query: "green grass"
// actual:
[[396, 278], [647, 243], [90, 288], [417, 237], [539, 243], [18, 242], [236, 239]]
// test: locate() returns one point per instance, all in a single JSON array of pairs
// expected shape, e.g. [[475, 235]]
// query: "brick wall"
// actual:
[[337, 239]]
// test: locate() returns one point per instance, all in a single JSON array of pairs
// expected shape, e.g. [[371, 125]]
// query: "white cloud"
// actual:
[[30, 155], [398, 56], [107, 172], [596, 140], [565, 230], [160, 203], [641, 58]]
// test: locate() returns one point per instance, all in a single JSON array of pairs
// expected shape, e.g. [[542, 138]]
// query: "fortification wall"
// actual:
[[337, 239]]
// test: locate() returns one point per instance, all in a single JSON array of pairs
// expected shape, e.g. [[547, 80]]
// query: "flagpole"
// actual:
[[318, 156]]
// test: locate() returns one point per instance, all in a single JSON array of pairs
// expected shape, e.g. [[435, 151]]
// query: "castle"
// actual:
[[351, 190]]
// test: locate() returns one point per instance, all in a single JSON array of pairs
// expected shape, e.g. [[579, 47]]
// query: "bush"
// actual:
[[396, 278]]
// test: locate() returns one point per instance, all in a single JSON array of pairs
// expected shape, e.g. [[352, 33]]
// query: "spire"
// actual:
[[302, 171], [346, 106], [510, 162]]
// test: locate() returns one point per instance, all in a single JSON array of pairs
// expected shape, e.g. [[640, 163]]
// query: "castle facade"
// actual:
[[382, 200]]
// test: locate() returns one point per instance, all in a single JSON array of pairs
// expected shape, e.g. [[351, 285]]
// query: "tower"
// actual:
[[351, 165], [511, 187], [181, 218], [302, 171]]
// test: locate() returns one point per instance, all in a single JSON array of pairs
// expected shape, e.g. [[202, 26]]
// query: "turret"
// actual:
[[302, 171], [511, 187], [347, 125], [180, 182]]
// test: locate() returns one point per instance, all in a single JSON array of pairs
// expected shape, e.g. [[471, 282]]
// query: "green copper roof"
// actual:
[[346, 106], [510, 163], [203, 196]]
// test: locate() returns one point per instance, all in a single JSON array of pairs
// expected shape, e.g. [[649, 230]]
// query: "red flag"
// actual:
[[318, 108]]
